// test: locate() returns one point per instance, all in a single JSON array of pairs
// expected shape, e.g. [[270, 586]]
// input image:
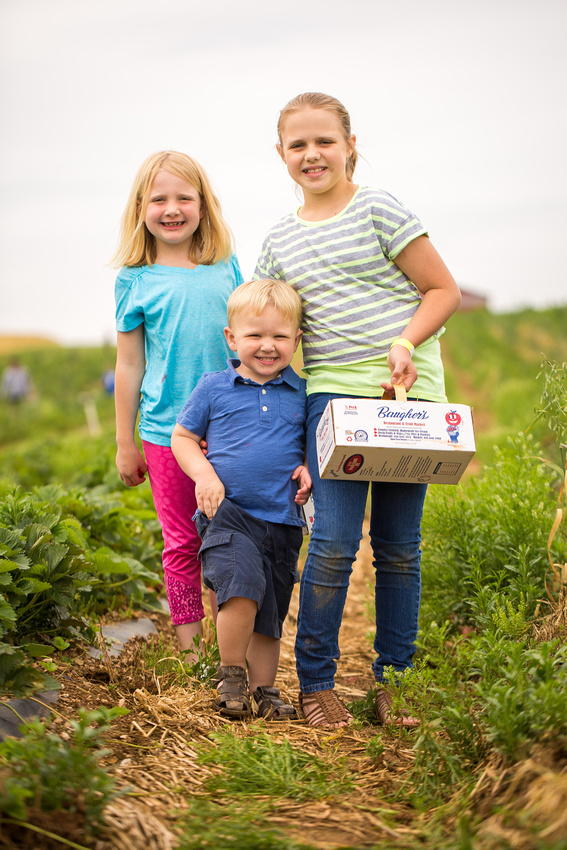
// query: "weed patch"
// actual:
[[262, 765]]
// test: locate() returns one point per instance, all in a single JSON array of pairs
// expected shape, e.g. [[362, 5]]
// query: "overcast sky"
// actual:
[[459, 111]]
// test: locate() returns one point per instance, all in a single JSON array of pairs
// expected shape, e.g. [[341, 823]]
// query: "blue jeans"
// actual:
[[395, 534]]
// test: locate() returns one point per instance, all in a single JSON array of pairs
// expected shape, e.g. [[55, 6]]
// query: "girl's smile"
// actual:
[[316, 152], [173, 215]]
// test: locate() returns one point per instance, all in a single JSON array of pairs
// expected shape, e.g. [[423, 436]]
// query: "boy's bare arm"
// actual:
[[209, 489], [304, 484]]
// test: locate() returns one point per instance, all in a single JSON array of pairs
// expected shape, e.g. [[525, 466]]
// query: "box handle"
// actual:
[[400, 391]]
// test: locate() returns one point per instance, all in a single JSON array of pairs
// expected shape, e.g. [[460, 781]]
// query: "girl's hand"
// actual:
[[209, 491], [131, 466], [402, 368], [304, 484]]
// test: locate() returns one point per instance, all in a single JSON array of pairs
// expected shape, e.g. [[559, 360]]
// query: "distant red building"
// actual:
[[472, 301]]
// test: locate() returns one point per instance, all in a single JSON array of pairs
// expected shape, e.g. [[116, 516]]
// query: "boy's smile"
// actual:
[[265, 343]]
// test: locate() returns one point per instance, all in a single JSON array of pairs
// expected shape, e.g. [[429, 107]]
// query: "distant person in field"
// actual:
[[16, 382], [249, 489], [375, 295], [108, 380], [178, 270]]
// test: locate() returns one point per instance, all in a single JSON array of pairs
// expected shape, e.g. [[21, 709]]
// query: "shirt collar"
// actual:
[[288, 376]]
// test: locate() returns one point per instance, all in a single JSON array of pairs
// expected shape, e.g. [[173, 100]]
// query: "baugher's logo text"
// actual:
[[386, 412]]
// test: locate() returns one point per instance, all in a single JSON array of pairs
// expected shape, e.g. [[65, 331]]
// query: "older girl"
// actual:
[[375, 294]]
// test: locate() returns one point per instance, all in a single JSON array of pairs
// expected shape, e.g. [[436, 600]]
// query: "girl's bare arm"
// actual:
[[130, 367], [440, 298]]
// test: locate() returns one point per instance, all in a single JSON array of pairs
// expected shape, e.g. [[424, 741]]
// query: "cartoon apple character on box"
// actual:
[[453, 420]]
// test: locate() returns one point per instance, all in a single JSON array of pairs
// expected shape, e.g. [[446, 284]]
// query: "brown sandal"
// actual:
[[232, 688], [383, 711], [269, 705], [324, 709]]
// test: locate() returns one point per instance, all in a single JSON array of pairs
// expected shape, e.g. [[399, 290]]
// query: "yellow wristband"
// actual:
[[406, 344]]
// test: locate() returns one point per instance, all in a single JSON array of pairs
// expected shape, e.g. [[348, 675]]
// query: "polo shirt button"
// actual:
[[263, 392], [264, 408]]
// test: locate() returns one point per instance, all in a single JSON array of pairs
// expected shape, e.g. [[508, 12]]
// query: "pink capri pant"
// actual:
[[174, 498]]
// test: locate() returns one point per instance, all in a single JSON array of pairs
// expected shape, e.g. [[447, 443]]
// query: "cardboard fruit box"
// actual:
[[402, 441]]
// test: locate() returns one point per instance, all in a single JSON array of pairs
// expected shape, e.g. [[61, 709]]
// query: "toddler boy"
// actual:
[[249, 489]]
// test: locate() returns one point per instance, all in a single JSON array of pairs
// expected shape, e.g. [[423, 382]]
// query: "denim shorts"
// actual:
[[249, 557]]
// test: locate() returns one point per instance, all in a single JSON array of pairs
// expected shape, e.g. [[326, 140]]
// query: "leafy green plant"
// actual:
[[64, 556], [259, 764], [509, 619], [43, 567], [553, 408], [18, 675], [554, 411], [525, 701], [181, 667], [43, 771], [438, 768], [448, 744], [487, 692], [363, 709], [207, 662], [375, 748], [489, 532]]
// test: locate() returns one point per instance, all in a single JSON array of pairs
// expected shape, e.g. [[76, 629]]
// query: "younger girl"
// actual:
[[374, 289], [171, 294]]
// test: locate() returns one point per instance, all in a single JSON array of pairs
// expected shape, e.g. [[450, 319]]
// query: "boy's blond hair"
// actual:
[[255, 295], [212, 241]]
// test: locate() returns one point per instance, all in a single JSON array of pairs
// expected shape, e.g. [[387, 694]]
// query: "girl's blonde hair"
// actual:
[[256, 295], [317, 100], [212, 241]]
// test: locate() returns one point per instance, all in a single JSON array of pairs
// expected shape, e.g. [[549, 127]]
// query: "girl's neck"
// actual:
[[178, 259], [319, 207]]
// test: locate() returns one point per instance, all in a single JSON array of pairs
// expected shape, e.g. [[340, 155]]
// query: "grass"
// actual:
[[242, 826], [259, 764]]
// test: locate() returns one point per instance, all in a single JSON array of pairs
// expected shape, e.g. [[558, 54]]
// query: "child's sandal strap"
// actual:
[[384, 714], [324, 709], [270, 706], [232, 688]]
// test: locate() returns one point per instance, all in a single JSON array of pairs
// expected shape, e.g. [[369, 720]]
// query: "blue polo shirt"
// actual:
[[256, 438]]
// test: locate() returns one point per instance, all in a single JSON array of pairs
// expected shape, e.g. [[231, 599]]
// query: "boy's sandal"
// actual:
[[232, 688], [269, 705], [384, 715], [324, 709]]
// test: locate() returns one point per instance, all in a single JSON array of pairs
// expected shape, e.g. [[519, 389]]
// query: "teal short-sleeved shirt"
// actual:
[[183, 312]]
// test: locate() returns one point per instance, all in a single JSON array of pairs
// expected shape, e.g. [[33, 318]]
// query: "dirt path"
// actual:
[[152, 745]]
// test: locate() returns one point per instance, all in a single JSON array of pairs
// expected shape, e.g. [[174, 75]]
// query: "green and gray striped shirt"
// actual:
[[356, 301]]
